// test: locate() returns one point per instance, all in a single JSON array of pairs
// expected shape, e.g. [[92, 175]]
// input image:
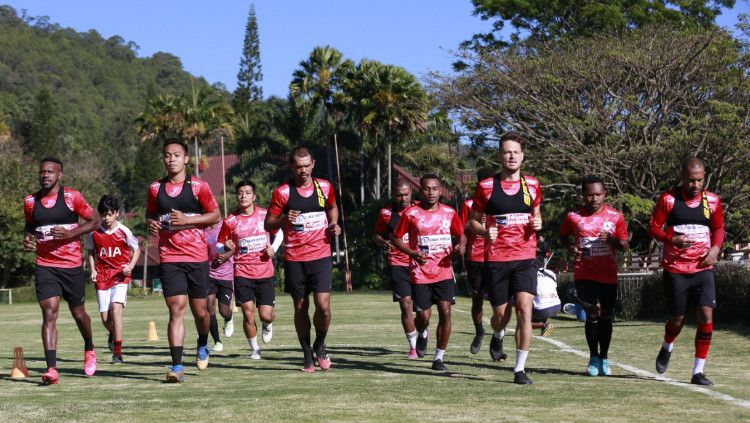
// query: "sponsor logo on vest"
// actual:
[[166, 223], [512, 219], [311, 221], [252, 244], [44, 233]]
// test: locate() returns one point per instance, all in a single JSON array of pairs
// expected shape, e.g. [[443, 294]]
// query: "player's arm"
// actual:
[[91, 257], [619, 240], [152, 212], [476, 226], [377, 236], [398, 242], [86, 214], [275, 217], [332, 212], [536, 218], [657, 222], [206, 219], [225, 247], [278, 239], [458, 230], [717, 236], [29, 239], [567, 229]]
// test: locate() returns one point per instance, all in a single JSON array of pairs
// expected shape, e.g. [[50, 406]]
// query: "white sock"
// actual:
[[411, 337], [253, 343], [698, 365], [425, 332], [520, 360], [499, 334], [438, 354], [667, 346]]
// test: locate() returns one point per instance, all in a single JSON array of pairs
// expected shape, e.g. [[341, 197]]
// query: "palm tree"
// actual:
[[162, 118], [206, 113]]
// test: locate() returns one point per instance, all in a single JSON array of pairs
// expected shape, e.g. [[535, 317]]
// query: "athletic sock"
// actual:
[[520, 360], [425, 333], [703, 339], [411, 338], [667, 346], [306, 350], [88, 344], [605, 335], [176, 353], [499, 334], [698, 365], [50, 356], [670, 332], [320, 338], [479, 329], [202, 340], [438, 354], [253, 343], [592, 336], [118, 348], [213, 328], [227, 319]]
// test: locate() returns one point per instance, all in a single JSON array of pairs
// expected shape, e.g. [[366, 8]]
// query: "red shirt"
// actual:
[[395, 256], [184, 245], [63, 253], [251, 259], [597, 262], [474, 243], [516, 238], [309, 239], [112, 250], [687, 260], [223, 271], [430, 232]]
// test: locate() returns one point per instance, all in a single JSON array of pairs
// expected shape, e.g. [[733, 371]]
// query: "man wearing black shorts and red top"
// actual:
[[598, 230], [510, 202], [52, 229], [178, 209], [689, 221], [431, 227], [305, 208], [386, 223]]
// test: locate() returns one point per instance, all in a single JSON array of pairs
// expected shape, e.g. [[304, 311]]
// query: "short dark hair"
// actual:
[[299, 151], [692, 162], [52, 160], [591, 179], [178, 141], [511, 136], [244, 183], [484, 173], [427, 176], [108, 202]]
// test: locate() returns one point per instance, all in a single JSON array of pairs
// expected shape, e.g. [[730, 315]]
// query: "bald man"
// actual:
[[688, 220]]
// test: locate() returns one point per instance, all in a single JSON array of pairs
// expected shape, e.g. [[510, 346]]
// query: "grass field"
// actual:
[[371, 379]]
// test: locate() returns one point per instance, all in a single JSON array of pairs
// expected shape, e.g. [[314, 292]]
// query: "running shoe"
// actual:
[[201, 357], [700, 379], [218, 347], [267, 332], [111, 342], [593, 368], [476, 344], [412, 354], [422, 344], [662, 360], [438, 365], [50, 377], [520, 378], [604, 369], [547, 329], [89, 363], [321, 357], [255, 355], [229, 327], [116, 359], [176, 374], [309, 366], [496, 349]]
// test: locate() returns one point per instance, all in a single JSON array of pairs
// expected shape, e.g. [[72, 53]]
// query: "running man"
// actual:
[[220, 286], [598, 231], [689, 221], [305, 207], [112, 253], [431, 227], [511, 203], [388, 219], [244, 238], [178, 209], [53, 230]]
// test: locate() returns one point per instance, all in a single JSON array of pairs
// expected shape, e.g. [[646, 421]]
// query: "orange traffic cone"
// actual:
[[152, 336], [19, 365]]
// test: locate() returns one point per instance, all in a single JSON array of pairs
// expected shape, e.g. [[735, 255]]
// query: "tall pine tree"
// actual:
[[250, 75]]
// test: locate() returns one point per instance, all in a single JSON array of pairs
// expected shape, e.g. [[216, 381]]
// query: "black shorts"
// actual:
[[222, 289], [261, 291], [695, 289], [474, 276], [502, 279], [541, 315], [303, 277], [189, 279], [400, 282], [591, 293], [427, 294], [69, 283]]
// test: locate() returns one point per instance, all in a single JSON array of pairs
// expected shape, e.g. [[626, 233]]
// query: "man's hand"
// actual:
[[154, 226], [421, 257], [59, 232], [269, 250], [606, 237], [536, 222], [292, 216], [681, 241], [460, 248], [29, 242], [126, 269], [178, 218], [491, 233], [94, 274], [334, 229], [576, 250], [229, 245], [712, 255]]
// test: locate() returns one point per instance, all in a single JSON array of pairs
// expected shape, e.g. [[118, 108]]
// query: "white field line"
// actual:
[[643, 373]]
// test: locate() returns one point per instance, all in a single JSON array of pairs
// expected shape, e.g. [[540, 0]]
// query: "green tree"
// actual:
[[250, 74], [44, 128]]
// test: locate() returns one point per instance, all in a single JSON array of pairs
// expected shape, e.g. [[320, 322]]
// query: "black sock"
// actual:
[[214, 328], [176, 353], [202, 340], [592, 336], [605, 336], [320, 338], [88, 344], [479, 329], [306, 350], [50, 356]]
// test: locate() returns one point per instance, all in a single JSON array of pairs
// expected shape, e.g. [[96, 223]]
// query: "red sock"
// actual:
[[670, 332], [118, 348], [703, 339]]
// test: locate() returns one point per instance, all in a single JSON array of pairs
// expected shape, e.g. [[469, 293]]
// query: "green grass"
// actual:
[[371, 379]]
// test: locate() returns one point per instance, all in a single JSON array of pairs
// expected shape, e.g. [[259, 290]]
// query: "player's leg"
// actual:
[[523, 286], [50, 310], [266, 301], [250, 328], [175, 287], [116, 309], [587, 293], [443, 294], [422, 299], [295, 283], [676, 298], [197, 291], [213, 325], [104, 300], [607, 298], [496, 284], [224, 296], [74, 293], [401, 290], [474, 277], [705, 296], [320, 283]]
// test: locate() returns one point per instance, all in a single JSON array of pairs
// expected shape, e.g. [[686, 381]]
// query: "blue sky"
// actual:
[[208, 36]]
